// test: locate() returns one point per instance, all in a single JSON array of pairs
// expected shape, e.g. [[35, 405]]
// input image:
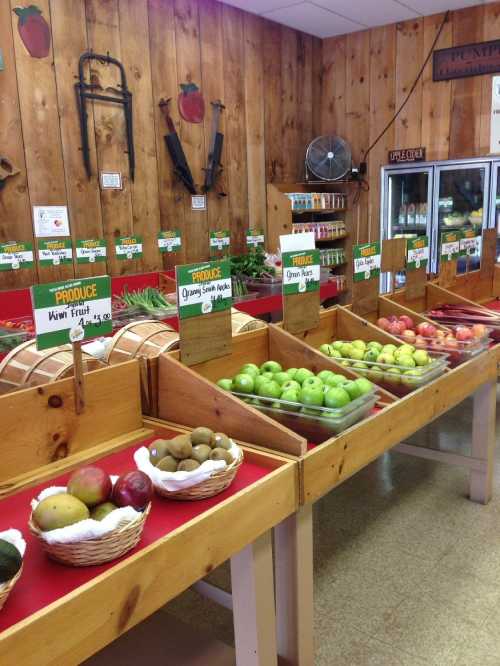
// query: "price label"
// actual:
[[469, 243], [90, 251], [203, 288], [55, 252], [71, 311], [367, 261], [219, 240], [128, 247], [301, 271], [450, 245], [417, 253], [14, 256], [170, 240], [255, 237]]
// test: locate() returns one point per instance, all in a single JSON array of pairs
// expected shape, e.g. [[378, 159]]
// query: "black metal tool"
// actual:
[[214, 166], [94, 91], [175, 150], [7, 169]]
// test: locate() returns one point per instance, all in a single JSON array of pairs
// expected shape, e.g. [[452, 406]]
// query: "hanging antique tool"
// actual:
[[214, 167], [94, 91], [175, 150], [7, 169]]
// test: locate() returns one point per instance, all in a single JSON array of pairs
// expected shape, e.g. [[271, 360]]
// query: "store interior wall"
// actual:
[[263, 72], [366, 76]]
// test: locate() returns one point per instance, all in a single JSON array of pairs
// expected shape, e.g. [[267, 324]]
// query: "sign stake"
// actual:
[[78, 378]]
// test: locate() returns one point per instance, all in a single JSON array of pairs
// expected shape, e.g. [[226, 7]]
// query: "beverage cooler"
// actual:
[[431, 198]]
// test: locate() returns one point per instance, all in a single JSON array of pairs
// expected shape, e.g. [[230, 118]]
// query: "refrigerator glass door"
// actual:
[[495, 203], [461, 203]]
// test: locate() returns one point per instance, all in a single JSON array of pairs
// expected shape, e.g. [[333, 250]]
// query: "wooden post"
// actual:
[[79, 385], [483, 442]]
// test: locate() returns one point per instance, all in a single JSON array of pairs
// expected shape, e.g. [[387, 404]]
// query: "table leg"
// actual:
[[483, 442], [253, 604], [293, 543]]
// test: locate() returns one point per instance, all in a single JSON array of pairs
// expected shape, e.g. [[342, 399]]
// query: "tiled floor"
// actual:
[[407, 569]]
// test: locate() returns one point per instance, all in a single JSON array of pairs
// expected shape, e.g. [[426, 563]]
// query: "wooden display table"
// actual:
[[62, 615]]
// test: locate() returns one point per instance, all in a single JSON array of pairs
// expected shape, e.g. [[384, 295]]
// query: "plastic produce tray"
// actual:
[[316, 424], [466, 349], [15, 334]]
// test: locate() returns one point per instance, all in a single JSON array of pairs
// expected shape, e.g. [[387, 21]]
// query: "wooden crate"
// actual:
[[136, 586]]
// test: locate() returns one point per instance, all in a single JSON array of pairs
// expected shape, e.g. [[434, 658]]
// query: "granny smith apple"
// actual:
[[373, 344], [291, 372], [357, 354], [311, 395], [258, 381], [371, 355], [243, 383], [291, 384], [364, 384], [267, 374], [303, 373], [309, 412], [389, 349], [337, 397], [359, 344], [269, 390], [324, 375], [291, 395], [346, 350], [312, 382], [226, 384], [421, 357], [337, 380], [271, 366], [281, 378], [326, 349], [337, 344], [406, 361], [335, 353], [250, 369], [353, 389]]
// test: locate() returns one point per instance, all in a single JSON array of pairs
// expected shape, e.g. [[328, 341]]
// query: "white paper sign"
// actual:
[[50, 221], [495, 116], [297, 242], [111, 180], [198, 202]]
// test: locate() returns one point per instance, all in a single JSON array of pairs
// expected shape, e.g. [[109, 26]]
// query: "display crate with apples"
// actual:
[[57, 450]]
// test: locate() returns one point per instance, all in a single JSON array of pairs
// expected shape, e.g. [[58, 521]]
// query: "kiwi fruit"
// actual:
[[221, 454], [201, 452], [188, 465], [180, 447], [201, 435], [158, 450], [221, 441], [167, 464]]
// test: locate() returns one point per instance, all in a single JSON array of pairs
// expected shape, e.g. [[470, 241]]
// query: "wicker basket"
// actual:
[[95, 551], [242, 322], [148, 338], [219, 481], [6, 588]]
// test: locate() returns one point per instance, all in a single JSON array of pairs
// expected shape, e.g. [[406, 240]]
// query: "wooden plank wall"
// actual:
[[366, 75], [264, 73]]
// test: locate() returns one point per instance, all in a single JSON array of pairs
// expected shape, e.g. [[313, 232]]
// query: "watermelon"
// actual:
[[33, 30], [191, 103], [10, 561]]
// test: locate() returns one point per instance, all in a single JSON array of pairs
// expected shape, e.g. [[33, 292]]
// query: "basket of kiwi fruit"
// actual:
[[191, 453]]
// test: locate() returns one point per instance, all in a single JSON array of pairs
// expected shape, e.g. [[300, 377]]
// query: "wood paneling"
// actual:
[[265, 75]]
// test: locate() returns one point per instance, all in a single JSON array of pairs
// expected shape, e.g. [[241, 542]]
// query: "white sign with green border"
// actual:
[[367, 261], [255, 237], [170, 240], [203, 288], [71, 311], [90, 251], [128, 247], [469, 243], [301, 271], [55, 252], [14, 256], [450, 245], [417, 253], [219, 240]]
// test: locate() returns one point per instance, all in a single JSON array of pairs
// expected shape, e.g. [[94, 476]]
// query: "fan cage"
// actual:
[[328, 158]]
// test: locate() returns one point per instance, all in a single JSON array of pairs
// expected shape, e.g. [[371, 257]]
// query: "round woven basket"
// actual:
[[95, 551], [219, 481], [242, 322], [6, 588], [147, 338]]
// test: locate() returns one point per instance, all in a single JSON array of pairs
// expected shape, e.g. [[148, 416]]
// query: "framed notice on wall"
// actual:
[[50, 221]]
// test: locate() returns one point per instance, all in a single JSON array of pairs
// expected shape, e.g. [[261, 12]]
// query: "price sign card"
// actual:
[[203, 288], [255, 237], [128, 247], [301, 271], [71, 311], [450, 245], [367, 261], [170, 240], [219, 241], [417, 253], [90, 251], [55, 252], [469, 243], [15, 255]]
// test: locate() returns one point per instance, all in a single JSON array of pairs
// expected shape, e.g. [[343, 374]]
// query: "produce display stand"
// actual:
[[63, 615]]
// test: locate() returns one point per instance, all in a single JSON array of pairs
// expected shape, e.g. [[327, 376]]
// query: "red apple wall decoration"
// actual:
[[33, 30], [191, 103]]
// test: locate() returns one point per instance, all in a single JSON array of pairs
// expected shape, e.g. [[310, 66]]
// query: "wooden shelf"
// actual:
[[316, 211], [333, 238]]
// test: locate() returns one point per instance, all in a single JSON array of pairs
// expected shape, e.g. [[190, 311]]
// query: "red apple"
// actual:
[[440, 334], [409, 336], [421, 328], [383, 323], [394, 328], [420, 342], [90, 485], [479, 330], [463, 333], [408, 321], [392, 318], [133, 489]]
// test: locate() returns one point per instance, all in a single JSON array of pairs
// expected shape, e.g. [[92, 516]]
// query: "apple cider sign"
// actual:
[[203, 288], [301, 271]]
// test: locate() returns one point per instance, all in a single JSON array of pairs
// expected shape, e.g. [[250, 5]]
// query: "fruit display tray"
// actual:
[[464, 351], [312, 422], [14, 335]]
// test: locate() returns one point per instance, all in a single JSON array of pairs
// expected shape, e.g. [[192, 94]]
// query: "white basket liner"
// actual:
[[173, 481], [15, 538]]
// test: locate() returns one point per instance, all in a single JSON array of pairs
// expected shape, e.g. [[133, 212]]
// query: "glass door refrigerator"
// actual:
[[495, 202], [461, 198], [406, 207]]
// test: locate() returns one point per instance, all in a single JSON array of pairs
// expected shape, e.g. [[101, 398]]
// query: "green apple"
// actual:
[[353, 389], [243, 383], [276, 405], [281, 378], [364, 384], [312, 382], [253, 401], [337, 397], [324, 375], [406, 350], [250, 369], [291, 372], [359, 344], [421, 357], [311, 395], [346, 350], [406, 361], [371, 355], [291, 395], [269, 390], [375, 374], [326, 349], [392, 376], [337, 380], [357, 354], [337, 344], [291, 384], [271, 366], [346, 364], [303, 373], [258, 381], [267, 374], [335, 353], [226, 384], [390, 349], [386, 358], [309, 412], [373, 344], [411, 378], [360, 367]]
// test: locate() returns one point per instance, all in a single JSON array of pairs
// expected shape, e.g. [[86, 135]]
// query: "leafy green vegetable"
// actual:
[[251, 264]]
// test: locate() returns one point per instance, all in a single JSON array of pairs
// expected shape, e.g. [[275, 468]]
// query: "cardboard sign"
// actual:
[[367, 261], [14, 256], [203, 288], [128, 247], [450, 245], [255, 237], [90, 251], [407, 155], [469, 243], [50, 221], [417, 253], [71, 311], [301, 270], [170, 240], [55, 252], [219, 240]]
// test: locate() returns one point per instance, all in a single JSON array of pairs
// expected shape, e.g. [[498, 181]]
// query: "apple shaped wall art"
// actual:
[[33, 30]]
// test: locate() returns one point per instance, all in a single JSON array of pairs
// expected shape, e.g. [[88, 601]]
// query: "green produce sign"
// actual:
[[90, 251], [469, 243], [219, 241], [450, 245], [15, 255], [71, 311], [55, 252], [203, 288], [255, 237], [300, 271], [170, 240], [417, 253], [367, 261], [128, 247]]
